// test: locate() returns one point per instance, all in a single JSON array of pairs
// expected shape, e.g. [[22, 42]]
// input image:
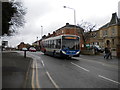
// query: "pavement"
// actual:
[[14, 70]]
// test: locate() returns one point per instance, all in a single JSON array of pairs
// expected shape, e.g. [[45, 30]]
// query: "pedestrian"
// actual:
[[109, 54], [106, 52]]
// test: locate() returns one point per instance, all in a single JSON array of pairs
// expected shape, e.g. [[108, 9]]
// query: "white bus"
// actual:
[[62, 46]]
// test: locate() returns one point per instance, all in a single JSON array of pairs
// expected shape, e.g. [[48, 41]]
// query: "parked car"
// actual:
[[24, 49], [98, 48], [32, 49]]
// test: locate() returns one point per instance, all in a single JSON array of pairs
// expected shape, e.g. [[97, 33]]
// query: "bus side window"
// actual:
[[58, 43], [44, 44], [47, 44], [54, 43], [50, 43]]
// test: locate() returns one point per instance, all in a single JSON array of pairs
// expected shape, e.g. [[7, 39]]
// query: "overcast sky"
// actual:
[[51, 15]]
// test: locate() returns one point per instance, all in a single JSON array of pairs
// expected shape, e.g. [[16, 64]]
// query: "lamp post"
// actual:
[[74, 13], [74, 17], [41, 31]]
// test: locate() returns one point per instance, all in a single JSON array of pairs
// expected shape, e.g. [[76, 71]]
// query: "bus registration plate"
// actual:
[[70, 55]]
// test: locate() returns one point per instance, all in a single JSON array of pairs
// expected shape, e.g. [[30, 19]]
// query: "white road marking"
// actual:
[[53, 82], [103, 63], [43, 63], [56, 86], [33, 74], [90, 60], [108, 79], [79, 66]]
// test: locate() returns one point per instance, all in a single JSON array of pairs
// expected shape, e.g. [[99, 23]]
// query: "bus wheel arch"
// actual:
[[44, 51], [54, 52]]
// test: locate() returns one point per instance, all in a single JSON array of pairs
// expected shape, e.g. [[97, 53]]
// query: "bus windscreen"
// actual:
[[71, 43]]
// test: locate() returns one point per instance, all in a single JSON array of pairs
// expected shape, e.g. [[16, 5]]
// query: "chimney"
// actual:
[[67, 24], [114, 19], [114, 15], [48, 34]]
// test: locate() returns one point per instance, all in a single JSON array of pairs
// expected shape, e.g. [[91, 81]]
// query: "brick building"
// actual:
[[94, 38], [70, 29], [23, 45]]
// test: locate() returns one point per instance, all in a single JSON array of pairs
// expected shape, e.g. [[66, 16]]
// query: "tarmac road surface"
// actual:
[[50, 72], [80, 72]]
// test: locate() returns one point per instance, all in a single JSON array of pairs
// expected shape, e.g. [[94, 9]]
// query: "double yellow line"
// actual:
[[35, 80]]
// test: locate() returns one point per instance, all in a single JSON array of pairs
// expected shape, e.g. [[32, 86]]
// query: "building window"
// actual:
[[104, 33], [62, 31], [113, 41], [95, 34], [108, 42], [113, 30], [79, 32], [92, 35]]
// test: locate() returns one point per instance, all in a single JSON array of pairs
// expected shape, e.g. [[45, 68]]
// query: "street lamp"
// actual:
[[74, 13], [74, 17], [41, 31]]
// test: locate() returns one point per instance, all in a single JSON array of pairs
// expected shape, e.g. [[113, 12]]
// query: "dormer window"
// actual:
[[95, 35], [113, 30]]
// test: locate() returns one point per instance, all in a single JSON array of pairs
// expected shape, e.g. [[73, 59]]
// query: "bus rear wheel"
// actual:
[[54, 52], [44, 52]]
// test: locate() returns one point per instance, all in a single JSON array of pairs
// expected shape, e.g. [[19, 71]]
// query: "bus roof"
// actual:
[[59, 37]]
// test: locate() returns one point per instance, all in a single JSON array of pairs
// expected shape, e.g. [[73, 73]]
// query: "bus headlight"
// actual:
[[78, 52], [63, 52]]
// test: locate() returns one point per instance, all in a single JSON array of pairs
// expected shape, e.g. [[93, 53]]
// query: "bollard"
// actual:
[[24, 49], [25, 54]]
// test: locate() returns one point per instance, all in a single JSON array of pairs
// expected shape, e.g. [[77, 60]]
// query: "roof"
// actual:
[[70, 26], [114, 21]]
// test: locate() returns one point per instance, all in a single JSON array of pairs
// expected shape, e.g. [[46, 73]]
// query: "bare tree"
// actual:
[[12, 16], [88, 28], [18, 19]]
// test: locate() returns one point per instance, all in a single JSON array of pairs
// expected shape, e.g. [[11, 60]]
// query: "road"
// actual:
[[79, 72]]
